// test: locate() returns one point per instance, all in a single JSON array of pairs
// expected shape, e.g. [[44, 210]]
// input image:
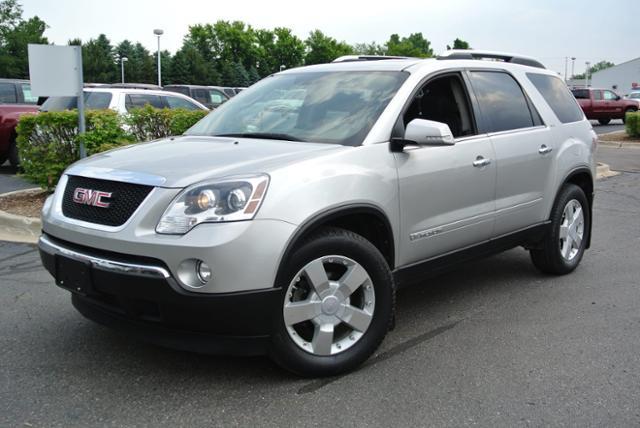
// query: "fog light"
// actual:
[[204, 271]]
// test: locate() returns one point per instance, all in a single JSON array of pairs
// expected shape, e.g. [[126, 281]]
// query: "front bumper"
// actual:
[[139, 296]]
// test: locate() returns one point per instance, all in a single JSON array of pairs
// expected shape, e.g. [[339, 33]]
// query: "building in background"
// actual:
[[622, 78]]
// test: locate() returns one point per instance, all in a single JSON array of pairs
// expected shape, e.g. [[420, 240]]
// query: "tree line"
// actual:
[[223, 53]]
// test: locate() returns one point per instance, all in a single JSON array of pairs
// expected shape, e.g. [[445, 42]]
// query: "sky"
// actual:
[[549, 30]]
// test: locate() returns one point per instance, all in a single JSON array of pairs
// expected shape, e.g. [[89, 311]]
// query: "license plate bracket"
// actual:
[[73, 275]]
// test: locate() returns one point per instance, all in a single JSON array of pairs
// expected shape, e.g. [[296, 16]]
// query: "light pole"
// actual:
[[282, 67], [123, 59], [586, 74], [158, 32], [566, 60], [573, 66]]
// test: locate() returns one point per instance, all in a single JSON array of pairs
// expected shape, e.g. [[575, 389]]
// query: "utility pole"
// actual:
[[566, 64], [586, 74], [573, 66], [122, 61]]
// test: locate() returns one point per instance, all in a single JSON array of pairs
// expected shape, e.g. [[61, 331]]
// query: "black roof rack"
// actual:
[[494, 56], [352, 58]]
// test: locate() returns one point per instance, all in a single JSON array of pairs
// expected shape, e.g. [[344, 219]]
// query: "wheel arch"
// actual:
[[366, 220]]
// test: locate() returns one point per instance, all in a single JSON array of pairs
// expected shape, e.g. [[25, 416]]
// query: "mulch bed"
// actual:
[[619, 137], [26, 203]]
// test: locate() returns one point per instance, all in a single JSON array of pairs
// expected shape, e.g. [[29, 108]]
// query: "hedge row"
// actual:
[[48, 142], [632, 124]]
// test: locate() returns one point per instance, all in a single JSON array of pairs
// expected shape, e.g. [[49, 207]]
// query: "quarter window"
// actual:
[[502, 101], [557, 95], [7, 93]]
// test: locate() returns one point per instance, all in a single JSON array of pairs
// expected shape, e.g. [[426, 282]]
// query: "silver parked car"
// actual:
[[284, 221]]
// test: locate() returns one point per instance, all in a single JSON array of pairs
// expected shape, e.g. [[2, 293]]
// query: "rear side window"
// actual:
[[579, 94], [558, 96], [7, 93], [92, 101], [502, 101], [176, 102], [140, 100]]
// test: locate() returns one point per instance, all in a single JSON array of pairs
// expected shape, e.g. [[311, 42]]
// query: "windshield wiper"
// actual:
[[265, 135]]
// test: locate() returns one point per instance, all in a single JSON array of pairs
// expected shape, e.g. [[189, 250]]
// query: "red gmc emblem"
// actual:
[[91, 197]]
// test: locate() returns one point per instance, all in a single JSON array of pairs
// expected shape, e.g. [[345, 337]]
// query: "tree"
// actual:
[[99, 62], [368, 49], [189, 67], [322, 49], [15, 34], [598, 66], [459, 44], [415, 45]]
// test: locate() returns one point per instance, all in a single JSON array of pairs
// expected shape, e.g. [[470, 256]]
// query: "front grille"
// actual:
[[125, 199]]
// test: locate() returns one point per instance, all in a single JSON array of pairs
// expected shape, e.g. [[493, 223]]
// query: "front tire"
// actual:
[[14, 158], [563, 247], [337, 304]]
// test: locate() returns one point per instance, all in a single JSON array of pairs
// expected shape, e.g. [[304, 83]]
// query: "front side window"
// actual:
[[216, 97], [140, 100], [177, 102], [502, 101], [337, 107], [557, 95], [26, 94], [444, 100], [7, 93], [610, 96]]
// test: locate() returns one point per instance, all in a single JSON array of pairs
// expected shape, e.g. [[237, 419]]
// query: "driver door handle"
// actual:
[[543, 150], [480, 162]]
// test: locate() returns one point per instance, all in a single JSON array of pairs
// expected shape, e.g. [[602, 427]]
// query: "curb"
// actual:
[[619, 144], [603, 171], [17, 228]]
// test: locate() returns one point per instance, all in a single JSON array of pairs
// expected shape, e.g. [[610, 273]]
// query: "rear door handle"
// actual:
[[480, 162], [543, 150]]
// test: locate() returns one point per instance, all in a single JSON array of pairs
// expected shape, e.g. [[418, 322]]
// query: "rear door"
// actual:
[[446, 192], [523, 149]]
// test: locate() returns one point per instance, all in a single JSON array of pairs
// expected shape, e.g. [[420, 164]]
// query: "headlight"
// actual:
[[232, 199]]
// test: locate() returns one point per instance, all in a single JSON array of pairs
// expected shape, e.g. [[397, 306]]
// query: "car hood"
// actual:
[[181, 161]]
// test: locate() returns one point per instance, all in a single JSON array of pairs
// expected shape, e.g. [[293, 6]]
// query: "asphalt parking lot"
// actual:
[[493, 344]]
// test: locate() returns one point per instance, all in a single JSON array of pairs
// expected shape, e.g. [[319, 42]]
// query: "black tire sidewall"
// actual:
[[568, 193], [335, 242], [12, 153]]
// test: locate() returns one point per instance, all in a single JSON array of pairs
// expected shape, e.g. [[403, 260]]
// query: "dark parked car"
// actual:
[[210, 96]]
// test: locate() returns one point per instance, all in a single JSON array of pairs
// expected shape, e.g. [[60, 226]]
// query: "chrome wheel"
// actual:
[[571, 230], [329, 305]]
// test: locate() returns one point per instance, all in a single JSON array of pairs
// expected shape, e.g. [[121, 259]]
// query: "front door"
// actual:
[[446, 192]]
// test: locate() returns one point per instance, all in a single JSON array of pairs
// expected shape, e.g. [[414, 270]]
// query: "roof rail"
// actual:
[[130, 86], [352, 58], [490, 55]]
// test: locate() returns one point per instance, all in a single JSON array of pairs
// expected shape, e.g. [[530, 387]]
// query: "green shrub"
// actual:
[[48, 142], [632, 124], [148, 123]]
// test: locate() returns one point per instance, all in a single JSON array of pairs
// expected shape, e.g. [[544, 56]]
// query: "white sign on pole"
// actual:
[[55, 71]]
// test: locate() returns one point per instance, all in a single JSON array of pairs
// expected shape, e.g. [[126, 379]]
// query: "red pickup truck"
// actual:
[[603, 105], [9, 116]]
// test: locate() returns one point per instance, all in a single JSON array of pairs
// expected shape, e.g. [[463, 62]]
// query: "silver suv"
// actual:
[[284, 221]]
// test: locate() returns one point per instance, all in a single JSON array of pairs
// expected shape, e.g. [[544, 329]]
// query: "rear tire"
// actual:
[[338, 304], [563, 247], [14, 158], [604, 121], [629, 110]]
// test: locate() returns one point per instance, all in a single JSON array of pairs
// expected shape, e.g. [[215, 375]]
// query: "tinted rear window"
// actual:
[[141, 100], [558, 96], [581, 94], [92, 101], [502, 101]]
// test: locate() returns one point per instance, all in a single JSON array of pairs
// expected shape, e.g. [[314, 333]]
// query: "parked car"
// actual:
[[634, 95], [232, 92], [16, 91], [604, 105], [9, 116], [123, 99], [284, 226], [210, 96]]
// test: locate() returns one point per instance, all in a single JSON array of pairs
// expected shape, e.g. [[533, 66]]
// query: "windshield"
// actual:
[[92, 101], [324, 107]]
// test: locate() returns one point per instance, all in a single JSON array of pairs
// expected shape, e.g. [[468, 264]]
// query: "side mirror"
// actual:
[[424, 132]]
